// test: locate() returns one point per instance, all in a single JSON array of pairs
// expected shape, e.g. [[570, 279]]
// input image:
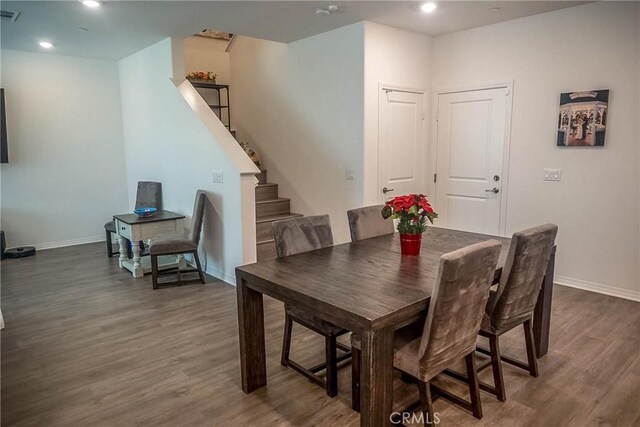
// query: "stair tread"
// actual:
[[266, 184], [261, 242], [279, 199], [272, 218]]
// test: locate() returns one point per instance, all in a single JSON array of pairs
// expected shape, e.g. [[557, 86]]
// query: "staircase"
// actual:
[[269, 208]]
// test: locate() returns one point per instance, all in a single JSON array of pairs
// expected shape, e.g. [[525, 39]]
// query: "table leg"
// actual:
[[137, 265], [376, 377], [542, 313], [253, 363], [122, 246]]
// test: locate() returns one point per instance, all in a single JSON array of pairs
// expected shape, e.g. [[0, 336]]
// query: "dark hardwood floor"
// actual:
[[87, 345]]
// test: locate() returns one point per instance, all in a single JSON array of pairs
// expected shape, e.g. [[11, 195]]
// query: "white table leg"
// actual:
[[182, 264], [123, 250], [137, 266]]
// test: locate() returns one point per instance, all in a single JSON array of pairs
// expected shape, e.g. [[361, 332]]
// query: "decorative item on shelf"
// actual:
[[144, 212], [252, 154], [202, 76], [413, 211]]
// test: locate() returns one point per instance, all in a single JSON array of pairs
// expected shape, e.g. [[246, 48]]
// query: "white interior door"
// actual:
[[401, 157], [470, 157]]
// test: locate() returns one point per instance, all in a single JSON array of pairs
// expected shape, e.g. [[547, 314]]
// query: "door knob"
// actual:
[[385, 190], [493, 190]]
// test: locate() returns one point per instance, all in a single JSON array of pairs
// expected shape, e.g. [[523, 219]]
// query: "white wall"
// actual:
[[401, 59], [66, 172], [596, 205], [207, 54], [300, 105], [171, 136]]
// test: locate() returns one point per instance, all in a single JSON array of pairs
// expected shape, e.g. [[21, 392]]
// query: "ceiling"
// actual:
[[119, 28]]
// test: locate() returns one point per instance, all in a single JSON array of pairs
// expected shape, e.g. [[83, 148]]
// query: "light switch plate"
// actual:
[[552, 174], [218, 177]]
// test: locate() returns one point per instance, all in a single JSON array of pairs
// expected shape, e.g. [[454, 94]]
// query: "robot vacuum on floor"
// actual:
[[20, 252]]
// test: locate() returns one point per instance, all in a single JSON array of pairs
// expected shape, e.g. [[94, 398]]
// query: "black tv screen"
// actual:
[[4, 150]]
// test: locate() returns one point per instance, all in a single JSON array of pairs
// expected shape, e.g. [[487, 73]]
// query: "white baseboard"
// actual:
[[71, 242], [597, 287], [227, 278]]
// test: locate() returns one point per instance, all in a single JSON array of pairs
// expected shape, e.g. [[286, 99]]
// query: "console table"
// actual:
[[137, 229]]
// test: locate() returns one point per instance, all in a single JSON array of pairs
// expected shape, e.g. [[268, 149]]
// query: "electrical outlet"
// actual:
[[552, 174], [350, 174], [218, 177]]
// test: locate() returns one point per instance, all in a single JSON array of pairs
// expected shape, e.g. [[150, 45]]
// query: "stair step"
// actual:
[[263, 225], [266, 250], [272, 207], [266, 192], [262, 177]]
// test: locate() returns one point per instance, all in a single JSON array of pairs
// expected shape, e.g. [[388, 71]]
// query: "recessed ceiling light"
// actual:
[[91, 3], [46, 45], [428, 7]]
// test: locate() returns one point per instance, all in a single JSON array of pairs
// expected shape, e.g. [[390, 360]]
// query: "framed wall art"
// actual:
[[582, 120]]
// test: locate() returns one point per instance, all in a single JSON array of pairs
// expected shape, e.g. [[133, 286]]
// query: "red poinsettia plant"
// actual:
[[413, 210]]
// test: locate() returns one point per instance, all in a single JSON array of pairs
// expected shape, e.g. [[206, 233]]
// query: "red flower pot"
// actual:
[[410, 244]]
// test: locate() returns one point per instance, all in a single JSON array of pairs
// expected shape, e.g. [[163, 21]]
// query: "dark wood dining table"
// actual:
[[367, 287]]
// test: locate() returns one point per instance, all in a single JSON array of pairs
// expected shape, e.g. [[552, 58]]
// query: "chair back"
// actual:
[[367, 222], [293, 236], [198, 216], [522, 276], [149, 195], [457, 305]]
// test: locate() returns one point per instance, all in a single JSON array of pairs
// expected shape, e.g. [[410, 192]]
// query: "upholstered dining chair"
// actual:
[[294, 236], [180, 244], [514, 301], [148, 195], [451, 327], [367, 222]]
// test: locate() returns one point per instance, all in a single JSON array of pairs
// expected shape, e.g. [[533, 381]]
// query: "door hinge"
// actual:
[[435, 177]]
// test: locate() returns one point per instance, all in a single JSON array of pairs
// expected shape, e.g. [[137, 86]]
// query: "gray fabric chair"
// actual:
[[367, 222], [148, 195], [451, 327], [180, 244], [303, 234], [513, 303], [294, 236]]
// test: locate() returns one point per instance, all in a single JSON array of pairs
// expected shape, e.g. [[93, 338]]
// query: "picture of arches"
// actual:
[[582, 119]]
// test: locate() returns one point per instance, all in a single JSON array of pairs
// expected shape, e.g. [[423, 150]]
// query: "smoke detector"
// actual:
[[332, 8]]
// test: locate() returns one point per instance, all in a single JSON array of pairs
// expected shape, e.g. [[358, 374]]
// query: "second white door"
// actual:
[[469, 162], [401, 155]]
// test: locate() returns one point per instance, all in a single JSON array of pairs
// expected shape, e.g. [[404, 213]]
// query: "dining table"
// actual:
[[366, 287]]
